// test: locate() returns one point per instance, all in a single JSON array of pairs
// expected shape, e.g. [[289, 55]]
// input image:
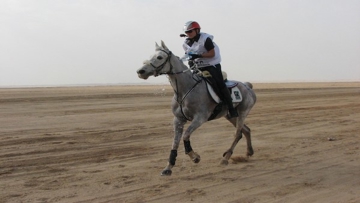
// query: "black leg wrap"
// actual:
[[172, 158], [187, 146]]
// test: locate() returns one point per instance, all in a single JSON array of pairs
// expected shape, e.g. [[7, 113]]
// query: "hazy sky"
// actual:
[[62, 42]]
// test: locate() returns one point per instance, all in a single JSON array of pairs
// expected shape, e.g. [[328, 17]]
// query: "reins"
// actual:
[[180, 101], [186, 94]]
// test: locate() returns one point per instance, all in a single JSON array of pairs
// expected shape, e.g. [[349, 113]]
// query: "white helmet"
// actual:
[[190, 25]]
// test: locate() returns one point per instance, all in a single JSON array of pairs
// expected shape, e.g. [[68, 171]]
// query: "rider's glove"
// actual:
[[191, 63], [194, 56]]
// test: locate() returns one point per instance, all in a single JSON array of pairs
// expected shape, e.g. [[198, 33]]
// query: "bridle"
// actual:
[[180, 101], [160, 67]]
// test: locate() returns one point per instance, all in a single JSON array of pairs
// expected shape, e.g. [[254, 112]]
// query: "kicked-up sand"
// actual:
[[110, 143]]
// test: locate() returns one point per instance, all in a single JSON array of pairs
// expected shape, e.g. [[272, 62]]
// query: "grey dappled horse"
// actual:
[[192, 102]]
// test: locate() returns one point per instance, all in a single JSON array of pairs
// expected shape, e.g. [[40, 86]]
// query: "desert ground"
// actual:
[[110, 144]]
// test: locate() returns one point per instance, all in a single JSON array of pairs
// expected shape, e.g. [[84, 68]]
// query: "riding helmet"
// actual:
[[190, 25]]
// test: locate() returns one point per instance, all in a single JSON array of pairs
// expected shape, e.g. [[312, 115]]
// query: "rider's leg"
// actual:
[[227, 97], [217, 76]]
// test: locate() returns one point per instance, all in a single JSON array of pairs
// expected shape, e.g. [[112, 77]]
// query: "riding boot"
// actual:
[[228, 100]]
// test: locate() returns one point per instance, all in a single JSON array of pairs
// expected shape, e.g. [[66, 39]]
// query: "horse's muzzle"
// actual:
[[142, 74], [141, 71]]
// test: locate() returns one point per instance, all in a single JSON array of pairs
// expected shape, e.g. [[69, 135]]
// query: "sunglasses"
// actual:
[[189, 31]]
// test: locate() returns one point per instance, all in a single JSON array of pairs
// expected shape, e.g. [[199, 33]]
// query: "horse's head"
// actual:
[[158, 64]]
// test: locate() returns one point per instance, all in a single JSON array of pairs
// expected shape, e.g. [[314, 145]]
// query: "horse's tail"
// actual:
[[248, 84]]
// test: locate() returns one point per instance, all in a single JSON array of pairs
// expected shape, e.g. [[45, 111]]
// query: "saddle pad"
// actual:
[[235, 94], [231, 83]]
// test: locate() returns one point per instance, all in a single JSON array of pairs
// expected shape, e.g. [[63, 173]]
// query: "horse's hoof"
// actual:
[[166, 172], [224, 162], [196, 160], [250, 152], [194, 157]]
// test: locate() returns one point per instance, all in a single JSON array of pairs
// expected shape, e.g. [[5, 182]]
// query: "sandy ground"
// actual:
[[109, 144]]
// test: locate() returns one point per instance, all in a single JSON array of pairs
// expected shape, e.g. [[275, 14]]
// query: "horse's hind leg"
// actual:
[[239, 124], [229, 152], [247, 132]]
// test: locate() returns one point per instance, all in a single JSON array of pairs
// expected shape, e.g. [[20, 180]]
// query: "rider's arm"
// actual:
[[209, 46], [209, 54]]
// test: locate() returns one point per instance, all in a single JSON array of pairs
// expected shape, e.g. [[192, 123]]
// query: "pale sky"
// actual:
[[77, 42]]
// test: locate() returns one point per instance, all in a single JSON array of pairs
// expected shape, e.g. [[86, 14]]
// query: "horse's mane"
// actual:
[[181, 62]]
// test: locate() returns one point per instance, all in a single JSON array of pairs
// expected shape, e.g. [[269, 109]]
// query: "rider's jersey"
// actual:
[[198, 47]]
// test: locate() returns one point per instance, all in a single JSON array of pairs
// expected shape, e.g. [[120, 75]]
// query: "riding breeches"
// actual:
[[216, 75]]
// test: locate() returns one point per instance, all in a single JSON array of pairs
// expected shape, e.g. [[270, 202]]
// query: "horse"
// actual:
[[192, 102]]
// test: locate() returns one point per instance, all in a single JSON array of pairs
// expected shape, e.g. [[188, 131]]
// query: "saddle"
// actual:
[[230, 84], [234, 92], [232, 87]]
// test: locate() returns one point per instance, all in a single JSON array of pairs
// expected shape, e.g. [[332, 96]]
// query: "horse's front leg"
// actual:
[[186, 137], [178, 130], [195, 157]]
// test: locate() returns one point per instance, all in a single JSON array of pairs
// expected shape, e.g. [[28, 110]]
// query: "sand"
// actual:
[[110, 143]]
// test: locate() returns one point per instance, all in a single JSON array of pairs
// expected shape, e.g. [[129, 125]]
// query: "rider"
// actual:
[[206, 54]]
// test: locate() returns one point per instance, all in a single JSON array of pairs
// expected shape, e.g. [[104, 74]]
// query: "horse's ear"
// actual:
[[157, 47], [163, 45]]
